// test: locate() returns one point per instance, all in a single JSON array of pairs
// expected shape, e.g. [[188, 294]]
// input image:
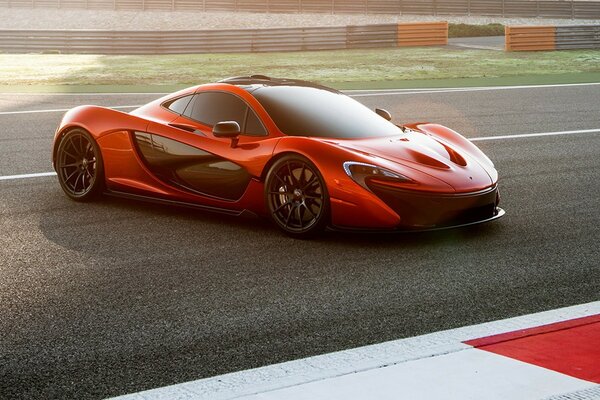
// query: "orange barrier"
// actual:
[[529, 38], [423, 34]]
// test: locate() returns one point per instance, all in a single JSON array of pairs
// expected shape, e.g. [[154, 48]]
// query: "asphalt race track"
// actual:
[[117, 296]]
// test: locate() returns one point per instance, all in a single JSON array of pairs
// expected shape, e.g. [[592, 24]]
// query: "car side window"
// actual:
[[253, 126], [178, 105], [210, 108]]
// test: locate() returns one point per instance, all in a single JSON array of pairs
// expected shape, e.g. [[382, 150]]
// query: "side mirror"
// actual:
[[383, 113], [227, 129]]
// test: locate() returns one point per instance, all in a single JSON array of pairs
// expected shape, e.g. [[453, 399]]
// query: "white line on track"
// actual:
[[529, 135], [397, 92], [25, 176], [499, 87], [357, 91], [55, 110], [82, 94], [475, 88], [351, 93], [477, 139]]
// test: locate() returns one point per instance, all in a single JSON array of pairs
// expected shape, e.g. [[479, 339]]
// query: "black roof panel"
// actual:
[[263, 80]]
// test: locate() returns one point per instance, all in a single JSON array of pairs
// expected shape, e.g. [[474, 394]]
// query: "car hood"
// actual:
[[429, 155]]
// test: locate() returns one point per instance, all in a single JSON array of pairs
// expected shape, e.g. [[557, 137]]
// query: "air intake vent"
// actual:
[[455, 157]]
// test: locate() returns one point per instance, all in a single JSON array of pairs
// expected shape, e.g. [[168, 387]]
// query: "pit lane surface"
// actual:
[[116, 296]]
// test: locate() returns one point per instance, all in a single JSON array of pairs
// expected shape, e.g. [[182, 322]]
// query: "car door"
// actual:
[[191, 158]]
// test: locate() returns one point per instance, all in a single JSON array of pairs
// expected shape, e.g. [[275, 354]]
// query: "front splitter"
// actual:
[[499, 214]]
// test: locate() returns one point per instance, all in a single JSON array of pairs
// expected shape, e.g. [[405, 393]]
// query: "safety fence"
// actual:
[[223, 41], [423, 34], [495, 8], [529, 38]]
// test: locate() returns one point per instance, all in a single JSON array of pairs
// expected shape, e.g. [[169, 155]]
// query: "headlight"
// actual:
[[362, 173]]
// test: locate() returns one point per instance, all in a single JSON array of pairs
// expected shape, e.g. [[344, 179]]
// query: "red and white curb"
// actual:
[[549, 355]]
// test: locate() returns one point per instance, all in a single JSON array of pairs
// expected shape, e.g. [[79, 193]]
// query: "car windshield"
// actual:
[[309, 111]]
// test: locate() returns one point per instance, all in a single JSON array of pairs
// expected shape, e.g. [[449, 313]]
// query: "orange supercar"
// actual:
[[306, 156]]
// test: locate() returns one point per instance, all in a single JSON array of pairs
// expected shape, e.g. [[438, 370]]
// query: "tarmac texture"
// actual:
[[117, 296]]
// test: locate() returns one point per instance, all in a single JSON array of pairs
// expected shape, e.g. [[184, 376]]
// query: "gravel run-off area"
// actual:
[[25, 18]]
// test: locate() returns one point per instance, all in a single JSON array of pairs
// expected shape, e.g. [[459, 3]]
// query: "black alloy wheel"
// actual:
[[79, 165], [297, 197]]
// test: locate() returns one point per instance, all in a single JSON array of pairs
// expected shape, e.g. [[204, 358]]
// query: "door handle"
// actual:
[[186, 127]]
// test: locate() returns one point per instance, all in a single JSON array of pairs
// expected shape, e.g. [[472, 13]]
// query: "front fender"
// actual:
[[351, 205]]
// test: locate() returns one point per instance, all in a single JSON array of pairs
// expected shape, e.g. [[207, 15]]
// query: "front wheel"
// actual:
[[79, 166], [296, 197]]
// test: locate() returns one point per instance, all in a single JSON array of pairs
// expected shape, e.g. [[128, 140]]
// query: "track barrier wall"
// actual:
[[530, 38], [223, 41]]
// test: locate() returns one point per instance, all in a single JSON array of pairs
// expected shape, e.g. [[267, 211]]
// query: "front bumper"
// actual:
[[431, 211]]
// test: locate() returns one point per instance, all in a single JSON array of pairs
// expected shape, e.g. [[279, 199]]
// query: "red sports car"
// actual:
[[305, 155]]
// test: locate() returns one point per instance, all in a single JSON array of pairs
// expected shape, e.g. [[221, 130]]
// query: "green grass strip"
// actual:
[[370, 68], [466, 30]]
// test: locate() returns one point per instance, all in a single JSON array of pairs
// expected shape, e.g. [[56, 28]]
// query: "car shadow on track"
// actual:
[[125, 229], [411, 239]]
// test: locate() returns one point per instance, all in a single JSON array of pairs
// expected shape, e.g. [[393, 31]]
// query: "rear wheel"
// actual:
[[79, 166], [296, 197]]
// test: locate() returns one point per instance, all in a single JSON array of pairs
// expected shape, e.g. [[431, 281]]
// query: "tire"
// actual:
[[79, 166], [296, 197]]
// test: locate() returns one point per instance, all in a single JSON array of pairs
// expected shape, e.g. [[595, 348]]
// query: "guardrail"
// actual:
[[423, 34], [223, 41], [530, 38], [578, 37], [494, 8]]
